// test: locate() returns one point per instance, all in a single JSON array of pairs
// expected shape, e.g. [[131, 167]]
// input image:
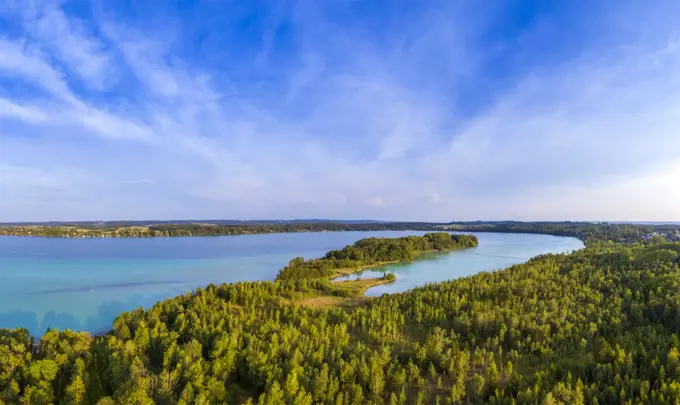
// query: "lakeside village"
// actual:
[[671, 235]]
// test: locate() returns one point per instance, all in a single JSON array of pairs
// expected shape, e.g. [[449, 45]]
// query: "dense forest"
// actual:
[[203, 229], [373, 251], [586, 231], [598, 326]]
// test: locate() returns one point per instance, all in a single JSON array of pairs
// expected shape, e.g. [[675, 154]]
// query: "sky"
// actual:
[[350, 109]]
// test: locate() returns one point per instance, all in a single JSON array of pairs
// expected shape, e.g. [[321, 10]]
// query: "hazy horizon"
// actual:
[[324, 220], [402, 111]]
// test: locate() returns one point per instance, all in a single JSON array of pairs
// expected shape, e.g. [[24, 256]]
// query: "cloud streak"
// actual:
[[68, 41]]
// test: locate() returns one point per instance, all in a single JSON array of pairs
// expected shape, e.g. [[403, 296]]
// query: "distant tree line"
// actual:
[[213, 230], [586, 231], [169, 230]]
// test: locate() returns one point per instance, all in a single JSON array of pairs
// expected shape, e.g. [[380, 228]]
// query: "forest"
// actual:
[[586, 231], [598, 326], [373, 251]]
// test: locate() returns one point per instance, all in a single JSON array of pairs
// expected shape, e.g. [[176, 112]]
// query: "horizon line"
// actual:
[[323, 220]]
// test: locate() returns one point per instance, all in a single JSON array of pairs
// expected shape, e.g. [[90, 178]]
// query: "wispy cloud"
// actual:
[[68, 40], [139, 181], [429, 112], [26, 113], [23, 61]]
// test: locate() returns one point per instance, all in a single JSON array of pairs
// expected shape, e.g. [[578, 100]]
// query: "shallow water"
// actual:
[[83, 284], [495, 251]]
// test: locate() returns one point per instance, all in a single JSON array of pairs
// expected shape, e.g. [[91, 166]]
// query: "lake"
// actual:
[[83, 284]]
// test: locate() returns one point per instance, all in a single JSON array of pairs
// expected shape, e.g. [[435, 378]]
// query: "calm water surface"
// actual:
[[83, 284]]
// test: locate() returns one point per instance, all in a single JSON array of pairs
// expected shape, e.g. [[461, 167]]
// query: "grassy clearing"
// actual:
[[358, 287], [350, 293], [324, 301]]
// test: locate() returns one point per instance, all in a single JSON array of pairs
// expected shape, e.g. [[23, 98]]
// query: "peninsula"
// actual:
[[371, 252]]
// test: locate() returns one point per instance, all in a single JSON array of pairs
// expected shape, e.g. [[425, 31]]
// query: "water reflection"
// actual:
[[100, 322], [396, 268], [495, 251]]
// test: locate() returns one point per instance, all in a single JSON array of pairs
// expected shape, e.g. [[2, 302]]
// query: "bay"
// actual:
[[83, 284]]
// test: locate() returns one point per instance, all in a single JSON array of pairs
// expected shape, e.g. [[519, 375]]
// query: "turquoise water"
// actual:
[[83, 284], [495, 251]]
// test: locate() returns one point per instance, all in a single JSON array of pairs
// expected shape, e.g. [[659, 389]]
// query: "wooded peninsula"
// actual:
[[597, 326], [372, 252]]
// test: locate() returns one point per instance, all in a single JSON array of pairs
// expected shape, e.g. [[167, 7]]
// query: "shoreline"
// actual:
[[198, 230], [361, 285], [348, 271], [362, 297]]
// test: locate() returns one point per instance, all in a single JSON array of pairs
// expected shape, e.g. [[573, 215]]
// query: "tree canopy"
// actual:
[[598, 326]]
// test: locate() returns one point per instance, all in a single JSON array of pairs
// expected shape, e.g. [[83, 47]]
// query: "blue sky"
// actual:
[[397, 110]]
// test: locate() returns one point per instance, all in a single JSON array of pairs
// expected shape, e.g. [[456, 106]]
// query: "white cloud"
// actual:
[[148, 57], [579, 123], [18, 59], [26, 113], [139, 181], [22, 176], [69, 41], [112, 126], [377, 202]]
